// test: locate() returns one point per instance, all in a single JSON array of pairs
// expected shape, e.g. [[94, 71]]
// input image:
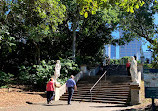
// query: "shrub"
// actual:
[[89, 60], [25, 76], [148, 66], [43, 72], [125, 59], [38, 75], [68, 67], [62, 80], [5, 78]]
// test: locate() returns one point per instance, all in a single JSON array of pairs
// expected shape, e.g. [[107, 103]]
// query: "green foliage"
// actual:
[[38, 75], [111, 15], [4, 86], [62, 81], [154, 48], [126, 58], [90, 61], [43, 72], [147, 66], [25, 76], [123, 60], [68, 67], [52, 13], [5, 78], [114, 61], [93, 6], [6, 40]]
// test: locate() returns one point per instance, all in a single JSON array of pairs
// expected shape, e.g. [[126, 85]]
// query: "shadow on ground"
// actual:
[[42, 94], [108, 106], [44, 104], [54, 104]]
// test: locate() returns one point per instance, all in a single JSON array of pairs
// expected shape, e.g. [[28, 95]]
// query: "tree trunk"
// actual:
[[74, 38], [37, 54]]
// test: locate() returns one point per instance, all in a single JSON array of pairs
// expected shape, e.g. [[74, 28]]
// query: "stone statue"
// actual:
[[133, 70], [57, 69]]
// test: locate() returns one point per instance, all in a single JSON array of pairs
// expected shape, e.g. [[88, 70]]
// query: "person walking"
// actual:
[[50, 87], [128, 67], [71, 85]]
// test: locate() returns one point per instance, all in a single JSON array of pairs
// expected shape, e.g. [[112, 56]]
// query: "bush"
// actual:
[[114, 61], [148, 66], [63, 80], [68, 67], [43, 72], [5, 78], [25, 76], [38, 75], [125, 59], [89, 60]]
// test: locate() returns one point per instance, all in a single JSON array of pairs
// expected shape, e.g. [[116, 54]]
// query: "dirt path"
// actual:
[[17, 97]]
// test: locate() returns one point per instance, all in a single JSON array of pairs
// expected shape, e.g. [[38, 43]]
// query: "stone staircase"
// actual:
[[116, 70], [114, 90]]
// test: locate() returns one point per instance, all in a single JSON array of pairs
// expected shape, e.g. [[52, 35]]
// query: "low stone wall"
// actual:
[[94, 71], [79, 76], [59, 92]]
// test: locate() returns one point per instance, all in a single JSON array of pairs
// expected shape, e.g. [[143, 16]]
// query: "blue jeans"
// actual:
[[50, 95], [70, 92]]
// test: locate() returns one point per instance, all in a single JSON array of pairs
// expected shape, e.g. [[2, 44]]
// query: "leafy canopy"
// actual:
[[93, 5], [51, 12]]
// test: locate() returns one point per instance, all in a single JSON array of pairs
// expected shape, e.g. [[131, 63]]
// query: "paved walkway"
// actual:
[[76, 106]]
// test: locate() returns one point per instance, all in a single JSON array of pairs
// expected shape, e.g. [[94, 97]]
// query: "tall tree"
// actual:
[[85, 7], [141, 25]]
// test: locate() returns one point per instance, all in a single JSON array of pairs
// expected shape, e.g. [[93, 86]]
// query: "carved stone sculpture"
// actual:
[[57, 69], [133, 70]]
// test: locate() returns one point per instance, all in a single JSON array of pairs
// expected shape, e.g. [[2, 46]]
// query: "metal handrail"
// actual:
[[99, 80], [97, 83]]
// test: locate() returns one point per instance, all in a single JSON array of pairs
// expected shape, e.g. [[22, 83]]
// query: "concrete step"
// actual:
[[99, 101], [102, 93], [104, 86], [105, 94], [97, 98], [102, 96], [104, 83], [103, 90]]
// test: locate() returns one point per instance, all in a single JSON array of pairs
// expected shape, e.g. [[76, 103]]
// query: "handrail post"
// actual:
[[100, 84], [91, 96]]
